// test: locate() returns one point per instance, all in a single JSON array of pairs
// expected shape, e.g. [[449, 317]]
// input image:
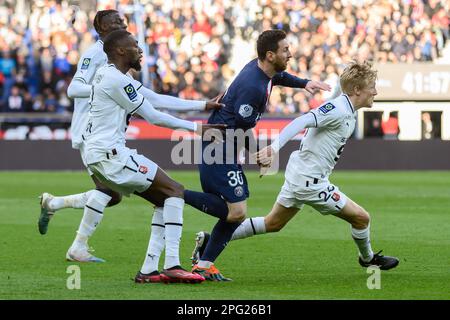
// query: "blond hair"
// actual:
[[357, 75]]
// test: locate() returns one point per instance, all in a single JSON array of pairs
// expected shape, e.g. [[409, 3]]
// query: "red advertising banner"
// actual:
[[140, 129]]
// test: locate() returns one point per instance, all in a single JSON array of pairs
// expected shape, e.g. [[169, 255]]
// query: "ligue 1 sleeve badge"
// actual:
[[86, 63], [326, 108], [130, 91]]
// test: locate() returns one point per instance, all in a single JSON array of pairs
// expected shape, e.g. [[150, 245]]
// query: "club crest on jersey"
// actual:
[[130, 91], [143, 169], [326, 108], [239, 191], [245, 110], [86, 63]]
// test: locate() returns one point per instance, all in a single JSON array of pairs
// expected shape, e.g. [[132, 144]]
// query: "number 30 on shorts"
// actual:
[[235, 178]]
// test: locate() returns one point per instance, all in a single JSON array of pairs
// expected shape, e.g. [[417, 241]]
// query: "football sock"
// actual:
[[250, 227], [207, 202], [156, 243], [76, 201], [218, 240], [362, 240], [173, 222], [93, 215]]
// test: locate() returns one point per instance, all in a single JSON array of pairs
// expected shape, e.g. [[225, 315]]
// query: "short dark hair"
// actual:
[[112, 40], [268, 41], [99, 18]]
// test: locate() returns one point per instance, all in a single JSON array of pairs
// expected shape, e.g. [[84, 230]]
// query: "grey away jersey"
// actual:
[[323, 144], [114, 99], [90, 61]]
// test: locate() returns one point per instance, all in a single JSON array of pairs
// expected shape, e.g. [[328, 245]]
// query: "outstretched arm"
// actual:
[[162, 119], [288, 80], [176, 104], [264, 156], [78, 88], [150, 114]]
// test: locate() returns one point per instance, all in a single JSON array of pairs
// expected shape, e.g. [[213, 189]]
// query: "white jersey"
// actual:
[[90, 61], [114, 98], [323, 144]]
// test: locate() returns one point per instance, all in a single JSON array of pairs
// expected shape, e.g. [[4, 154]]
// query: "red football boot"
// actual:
[[178, 274]]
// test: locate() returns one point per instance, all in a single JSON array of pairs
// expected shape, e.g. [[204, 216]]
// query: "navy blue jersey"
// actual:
[[248, 95]]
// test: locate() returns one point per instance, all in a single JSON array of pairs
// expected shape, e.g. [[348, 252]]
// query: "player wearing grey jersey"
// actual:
[[114, 99], [306, 177], [95, 201]]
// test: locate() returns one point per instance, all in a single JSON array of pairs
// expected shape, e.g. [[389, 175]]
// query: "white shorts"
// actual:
[[319, 194], [83, 158], [135, 176]]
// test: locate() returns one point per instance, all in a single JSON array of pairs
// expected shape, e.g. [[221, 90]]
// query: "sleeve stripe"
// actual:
[[139, 87], [138, 106], [82, 79], [315, 118]]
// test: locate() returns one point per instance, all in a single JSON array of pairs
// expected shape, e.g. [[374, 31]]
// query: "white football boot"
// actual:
[[81, 254]]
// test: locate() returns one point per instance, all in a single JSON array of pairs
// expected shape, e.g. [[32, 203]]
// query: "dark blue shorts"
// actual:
[[225, 180]]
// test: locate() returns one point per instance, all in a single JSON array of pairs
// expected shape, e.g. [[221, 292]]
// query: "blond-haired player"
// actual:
[[306, 177]]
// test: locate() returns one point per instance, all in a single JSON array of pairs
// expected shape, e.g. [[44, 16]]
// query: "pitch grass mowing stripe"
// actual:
[[312, 258]]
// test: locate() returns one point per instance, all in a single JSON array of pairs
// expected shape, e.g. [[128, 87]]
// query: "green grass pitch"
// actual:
[[314, 257]]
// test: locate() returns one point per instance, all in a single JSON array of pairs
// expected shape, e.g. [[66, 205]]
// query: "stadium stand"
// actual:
[[191, 44]]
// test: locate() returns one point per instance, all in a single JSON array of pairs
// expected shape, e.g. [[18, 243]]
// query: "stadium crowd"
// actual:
[[194, 45]]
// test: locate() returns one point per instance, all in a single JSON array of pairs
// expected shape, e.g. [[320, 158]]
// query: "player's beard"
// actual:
[[136, 65], [279, 66]]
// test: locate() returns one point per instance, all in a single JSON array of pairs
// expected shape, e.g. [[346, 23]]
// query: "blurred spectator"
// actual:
[[15, 101], [374, 129], [427, 126], [390, 127]]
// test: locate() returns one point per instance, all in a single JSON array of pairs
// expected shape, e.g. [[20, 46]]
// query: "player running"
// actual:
[[306, 177], [80, 87], [114, 98], [225, 185]]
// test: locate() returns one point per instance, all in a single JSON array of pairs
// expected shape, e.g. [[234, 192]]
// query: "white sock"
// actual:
[[204, 264], [250, 227], [156, 243], [173, 221], [76, 201], [93, 215], [362, 240]]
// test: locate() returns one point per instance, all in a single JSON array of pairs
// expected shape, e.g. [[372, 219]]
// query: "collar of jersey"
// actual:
[[349, 103]]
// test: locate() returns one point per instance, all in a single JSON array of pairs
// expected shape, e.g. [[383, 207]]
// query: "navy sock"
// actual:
[[220, 236], [207, 202]]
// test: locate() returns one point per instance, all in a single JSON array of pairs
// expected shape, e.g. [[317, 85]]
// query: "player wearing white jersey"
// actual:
[[306, 177], [114, 99], [95, 201]]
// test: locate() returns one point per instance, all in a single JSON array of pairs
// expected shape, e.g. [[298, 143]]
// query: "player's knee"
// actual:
[[236, 215], [273, 225], [115, 196], [115, 199], [175, 190], [363, 219]]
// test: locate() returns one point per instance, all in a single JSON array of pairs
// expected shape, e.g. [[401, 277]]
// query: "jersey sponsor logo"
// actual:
[[245, 110], [86, 63], [130, 91], [239, 191], [326, 108]]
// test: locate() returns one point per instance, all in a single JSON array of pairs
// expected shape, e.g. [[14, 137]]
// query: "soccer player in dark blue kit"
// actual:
[[224, 182]]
